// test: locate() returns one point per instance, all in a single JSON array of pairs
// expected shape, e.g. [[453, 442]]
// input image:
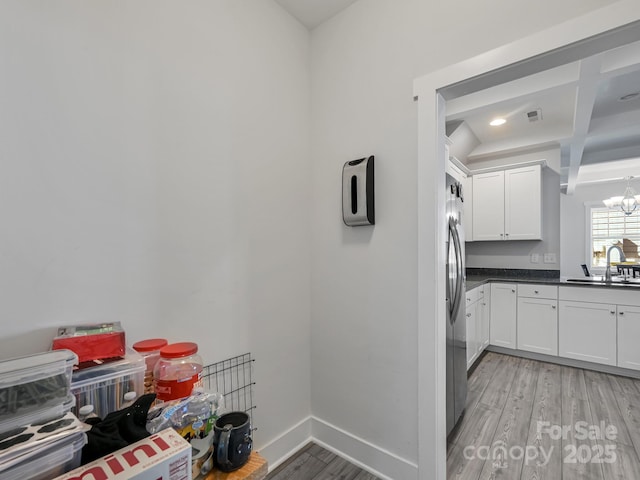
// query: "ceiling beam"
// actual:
[[585, 99]]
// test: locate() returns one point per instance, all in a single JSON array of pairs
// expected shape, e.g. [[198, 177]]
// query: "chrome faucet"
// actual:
[[607, 274]]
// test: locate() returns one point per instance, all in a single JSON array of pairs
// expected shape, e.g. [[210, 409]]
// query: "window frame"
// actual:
[[589, 207]]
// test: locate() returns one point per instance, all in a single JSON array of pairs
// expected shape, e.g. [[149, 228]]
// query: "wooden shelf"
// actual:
[[255, 469]]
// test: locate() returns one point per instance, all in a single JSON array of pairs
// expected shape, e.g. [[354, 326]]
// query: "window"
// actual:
[[613, 227]]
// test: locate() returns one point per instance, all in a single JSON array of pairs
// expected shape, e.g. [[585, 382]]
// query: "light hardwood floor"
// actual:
[[509, 396], [315, 463]]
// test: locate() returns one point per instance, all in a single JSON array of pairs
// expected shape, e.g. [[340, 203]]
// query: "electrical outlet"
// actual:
[[535, 258], [549, 258]]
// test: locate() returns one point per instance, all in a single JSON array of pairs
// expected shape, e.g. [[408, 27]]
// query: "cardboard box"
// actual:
[[163, 456]]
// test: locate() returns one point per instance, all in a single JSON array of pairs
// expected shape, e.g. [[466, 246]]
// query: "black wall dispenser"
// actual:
[[358, 193]]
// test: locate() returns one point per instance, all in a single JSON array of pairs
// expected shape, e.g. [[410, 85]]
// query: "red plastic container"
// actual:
[[92, 342]]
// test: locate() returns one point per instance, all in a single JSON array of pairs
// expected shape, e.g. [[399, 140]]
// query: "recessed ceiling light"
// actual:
[[629, 96], [497, 122]]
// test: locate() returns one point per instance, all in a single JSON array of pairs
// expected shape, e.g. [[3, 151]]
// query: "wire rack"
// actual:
[[233, 378]]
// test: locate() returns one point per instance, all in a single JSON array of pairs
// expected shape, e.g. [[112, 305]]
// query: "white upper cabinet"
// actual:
[[488, 206], [507, 204], [523, 203]]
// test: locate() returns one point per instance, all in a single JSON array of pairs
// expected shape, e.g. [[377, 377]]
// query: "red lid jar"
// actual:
[[178, 371], [150, 351]]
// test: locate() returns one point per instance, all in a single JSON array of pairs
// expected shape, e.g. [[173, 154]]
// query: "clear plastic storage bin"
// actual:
[[33, 384], [39, 416], [104, 386], [50, 461]]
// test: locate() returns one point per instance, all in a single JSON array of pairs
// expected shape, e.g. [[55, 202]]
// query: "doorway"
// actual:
[[579, 38]]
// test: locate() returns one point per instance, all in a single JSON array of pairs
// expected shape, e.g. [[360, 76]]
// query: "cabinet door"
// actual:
[[628, 335], [503, 315], [538, 325], [484, 312], [587, 331], [488, 206], [523, 203], [472, 341]]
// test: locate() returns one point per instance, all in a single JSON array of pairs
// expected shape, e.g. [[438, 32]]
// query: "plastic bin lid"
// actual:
[[132, 363], [16, 371], [177, 350], [150, 345]]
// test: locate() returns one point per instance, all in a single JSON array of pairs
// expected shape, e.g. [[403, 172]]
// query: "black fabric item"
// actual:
[[118, 429]]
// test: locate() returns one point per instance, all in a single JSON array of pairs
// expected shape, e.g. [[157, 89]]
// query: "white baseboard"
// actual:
[[287, 443], [372, 458], [360, 452]]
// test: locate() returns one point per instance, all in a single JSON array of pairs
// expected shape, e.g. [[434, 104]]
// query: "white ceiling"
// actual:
[[581, 113], [312, 13]]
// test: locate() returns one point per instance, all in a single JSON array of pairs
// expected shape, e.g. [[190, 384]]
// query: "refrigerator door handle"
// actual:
[[451, 280], [457, 292]]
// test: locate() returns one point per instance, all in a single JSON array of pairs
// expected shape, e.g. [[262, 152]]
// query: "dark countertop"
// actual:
[[480, 276], [474, 281]]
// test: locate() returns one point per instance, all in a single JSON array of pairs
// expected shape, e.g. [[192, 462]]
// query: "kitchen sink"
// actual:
[[599, 280]]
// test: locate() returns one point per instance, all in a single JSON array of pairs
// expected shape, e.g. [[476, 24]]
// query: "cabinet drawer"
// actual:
[[474, 295], [549, 292], [621, 296]]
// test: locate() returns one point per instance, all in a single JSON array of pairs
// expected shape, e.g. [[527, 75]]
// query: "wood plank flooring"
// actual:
[[316, 463], [516, 410]]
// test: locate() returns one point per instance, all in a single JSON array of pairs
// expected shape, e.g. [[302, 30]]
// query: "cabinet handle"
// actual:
[[506, 234], [536, 292], [468, 314], [484, 304], [513, 291], [553, 306], [613, 312], [621, 313]]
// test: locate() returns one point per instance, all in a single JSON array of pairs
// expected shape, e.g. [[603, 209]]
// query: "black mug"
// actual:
[[232, 441]]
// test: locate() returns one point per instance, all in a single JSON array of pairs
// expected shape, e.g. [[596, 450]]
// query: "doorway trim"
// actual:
[[497, 66]]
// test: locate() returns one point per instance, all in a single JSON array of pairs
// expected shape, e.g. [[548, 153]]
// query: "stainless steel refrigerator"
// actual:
[[456, 294]]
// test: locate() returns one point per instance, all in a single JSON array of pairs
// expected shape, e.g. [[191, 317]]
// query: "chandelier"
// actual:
[[627, 202]]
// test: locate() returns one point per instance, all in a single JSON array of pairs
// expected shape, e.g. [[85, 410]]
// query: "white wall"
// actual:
[[517, 254], [364, 298], [154, 169], [574, 223]]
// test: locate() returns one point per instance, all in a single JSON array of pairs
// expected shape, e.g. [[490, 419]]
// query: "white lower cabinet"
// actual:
[[538, 325], [538, 318], [472, 335], [587, 331], [484, 318], [628, 337], [503, 314], [477, 318]]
